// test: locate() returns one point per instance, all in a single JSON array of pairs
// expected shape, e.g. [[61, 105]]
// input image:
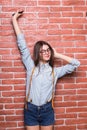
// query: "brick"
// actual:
[[59, 20], [59, 110], [76, 50], [5, 63], [81, 44], [83, 91], [83, 61], [10, 9], [1, 106], [75, 98], [76, 110], [4, 52], [81, 32], [22, 75], [59, 32], [1, 118], [6, 2], [5, 88], [81, 8], [49, 15], [66, 116], [60, 122], [75, 86], [19, 87], [38, 21], [65, 92], [8, 124], [67, 80], [21, 124], [16, 128], [13, 94], [18, 63], [14, 106], [21, 2], [5, 45], [83, 104], [19, 100], [71, 26], [14, 57], [62, 8], [73, 38], [7, 76], [7, 112], [82, 127], [82, 115], [80, 20], [72, 14], [65, 127], [76, 121], [65, 104], [37, 9], [19, 112], [15, 69], [14, 118], [81, 80], [73, 3], [5, 100], [47, 3]]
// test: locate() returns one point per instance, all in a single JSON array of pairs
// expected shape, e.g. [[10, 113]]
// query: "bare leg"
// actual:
[[47, 127], [32, 127]]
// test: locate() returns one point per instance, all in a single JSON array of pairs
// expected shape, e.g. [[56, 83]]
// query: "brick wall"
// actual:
[[63, 24]]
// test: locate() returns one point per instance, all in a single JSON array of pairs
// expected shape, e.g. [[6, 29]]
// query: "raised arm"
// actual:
[[25, 53], [63, 57], [66, 69], [15, 23]]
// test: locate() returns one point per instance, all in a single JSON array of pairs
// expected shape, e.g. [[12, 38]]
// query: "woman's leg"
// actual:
[[32, 127], [47, 127]]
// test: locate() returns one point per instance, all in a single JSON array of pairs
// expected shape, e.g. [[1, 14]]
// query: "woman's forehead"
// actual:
[[44, 47]]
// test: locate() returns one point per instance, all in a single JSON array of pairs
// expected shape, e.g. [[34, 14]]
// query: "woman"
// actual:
[[41, 80]]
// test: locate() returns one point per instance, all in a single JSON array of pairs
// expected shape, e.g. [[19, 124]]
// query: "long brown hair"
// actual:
[[36, 53]]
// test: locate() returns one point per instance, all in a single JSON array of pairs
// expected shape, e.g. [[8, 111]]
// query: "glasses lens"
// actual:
[[44, 51]]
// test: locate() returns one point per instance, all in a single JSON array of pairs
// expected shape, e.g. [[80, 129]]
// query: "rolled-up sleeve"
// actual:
[[25, 53], [66, 69]]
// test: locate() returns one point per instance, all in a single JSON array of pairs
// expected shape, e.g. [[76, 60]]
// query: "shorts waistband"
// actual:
[[48, 104]]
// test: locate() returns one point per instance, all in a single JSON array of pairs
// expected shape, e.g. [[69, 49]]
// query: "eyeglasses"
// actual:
[[44, 51]]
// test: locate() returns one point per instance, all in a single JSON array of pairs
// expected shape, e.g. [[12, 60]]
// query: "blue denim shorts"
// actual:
[[39, 115]]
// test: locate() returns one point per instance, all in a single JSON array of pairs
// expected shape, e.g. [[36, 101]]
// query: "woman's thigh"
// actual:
[[32, 127], [50, 127]]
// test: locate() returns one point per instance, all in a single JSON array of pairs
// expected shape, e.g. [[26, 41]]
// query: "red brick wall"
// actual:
[[63, 24]]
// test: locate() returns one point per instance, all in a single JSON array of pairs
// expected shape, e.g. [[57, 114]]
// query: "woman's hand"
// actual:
[[17, 14], [55, 53]]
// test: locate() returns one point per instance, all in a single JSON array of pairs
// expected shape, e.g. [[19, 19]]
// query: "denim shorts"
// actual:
[[39, 115]]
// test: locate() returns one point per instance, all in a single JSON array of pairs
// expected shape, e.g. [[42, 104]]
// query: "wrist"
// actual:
[[14, 19]]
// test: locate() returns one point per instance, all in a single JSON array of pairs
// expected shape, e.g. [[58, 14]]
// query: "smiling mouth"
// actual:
[[47, 56]]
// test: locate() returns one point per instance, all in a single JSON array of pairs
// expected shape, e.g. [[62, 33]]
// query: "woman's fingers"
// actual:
[[18, 13]]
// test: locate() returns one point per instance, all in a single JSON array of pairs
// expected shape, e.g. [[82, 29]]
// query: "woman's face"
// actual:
[[45, 53]]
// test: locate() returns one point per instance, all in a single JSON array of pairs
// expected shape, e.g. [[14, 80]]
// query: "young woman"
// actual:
[[41, 80]]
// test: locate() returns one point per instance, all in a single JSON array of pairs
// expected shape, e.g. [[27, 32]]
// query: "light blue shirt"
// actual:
[[42, 80]]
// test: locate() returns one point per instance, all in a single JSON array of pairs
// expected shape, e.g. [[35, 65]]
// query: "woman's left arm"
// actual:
[[63, 57], [66, 69]]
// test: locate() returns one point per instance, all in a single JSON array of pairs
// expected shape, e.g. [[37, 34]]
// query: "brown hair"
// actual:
[[36, 53]]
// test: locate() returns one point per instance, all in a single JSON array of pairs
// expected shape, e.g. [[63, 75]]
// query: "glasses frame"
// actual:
[[48, 50]]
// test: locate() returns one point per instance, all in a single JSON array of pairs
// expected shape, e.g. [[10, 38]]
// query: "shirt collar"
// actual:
[[44, 65]]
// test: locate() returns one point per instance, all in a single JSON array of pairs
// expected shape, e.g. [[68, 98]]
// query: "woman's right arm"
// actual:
[[26, 57], [15, 23]]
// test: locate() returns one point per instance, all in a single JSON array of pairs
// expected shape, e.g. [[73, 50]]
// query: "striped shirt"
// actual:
[[42, 79]]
